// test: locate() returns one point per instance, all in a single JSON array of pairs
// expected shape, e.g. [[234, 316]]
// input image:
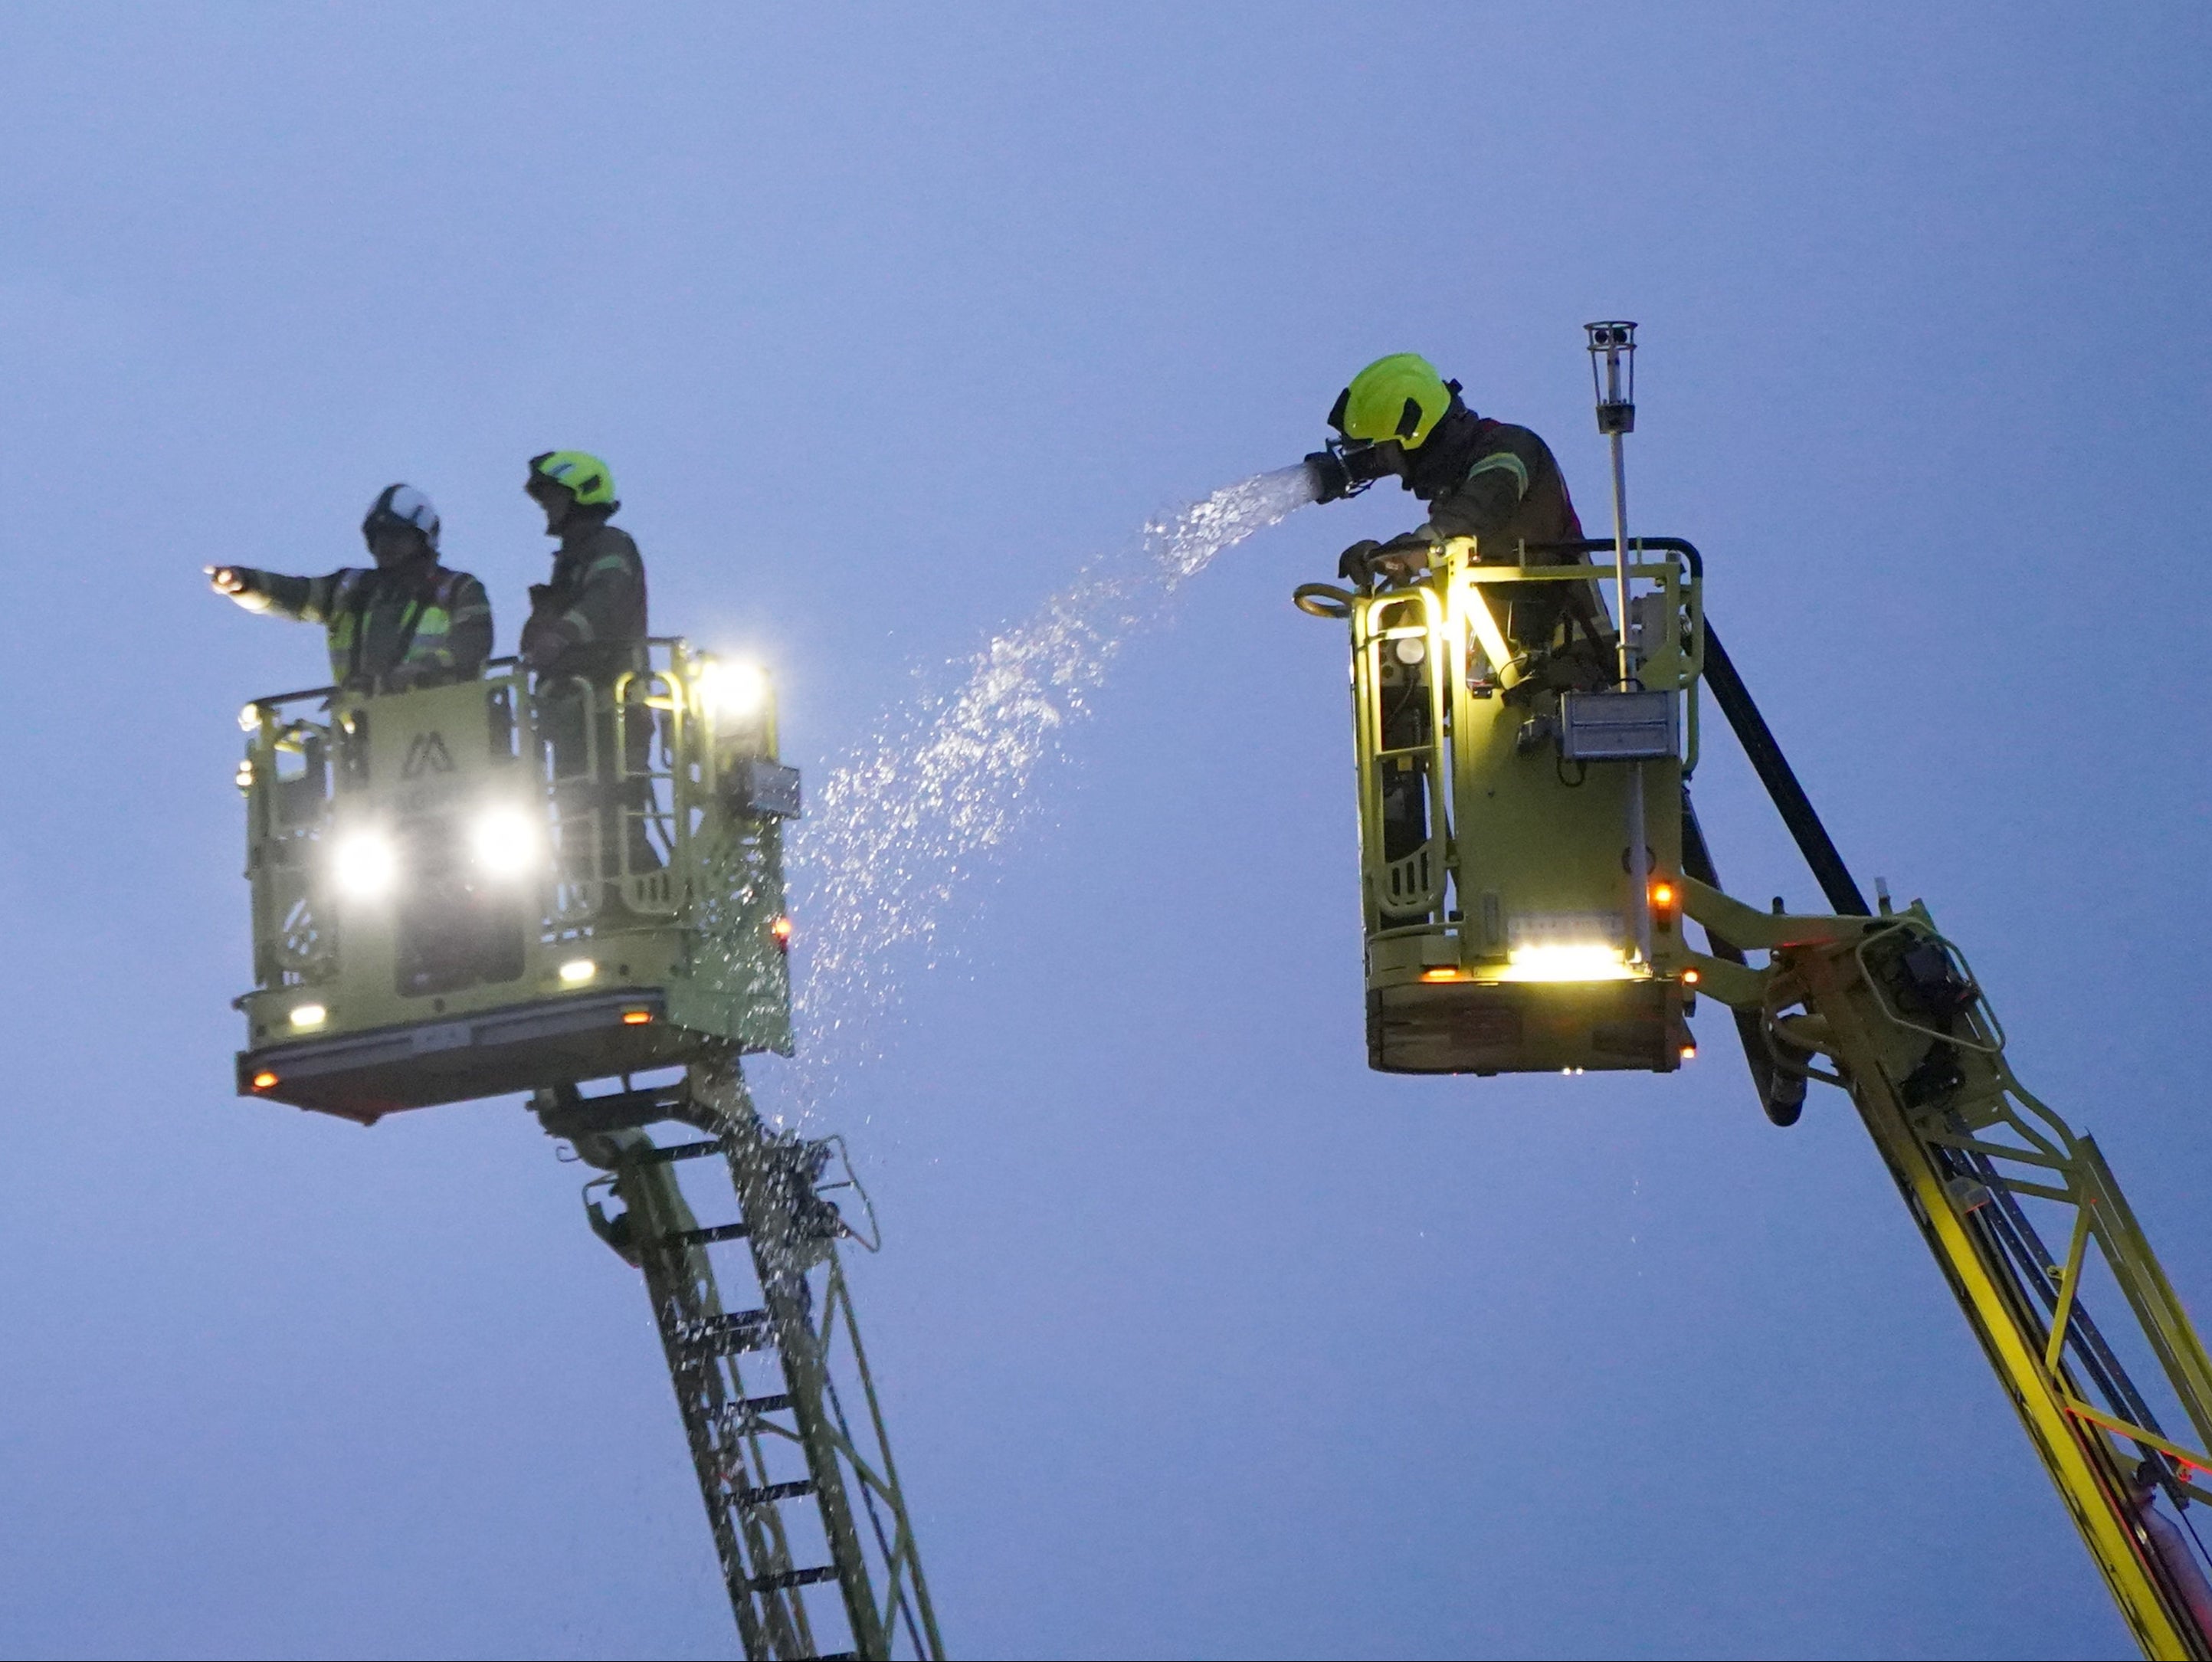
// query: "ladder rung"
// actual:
[[765, 1404], [793, 1578], [622, 1111], [767, 1492], [721, 1232], [731, 1335], [677, 1151]]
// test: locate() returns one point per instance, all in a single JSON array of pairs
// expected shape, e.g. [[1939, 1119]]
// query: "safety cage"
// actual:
[[1505, 774], [499, 884]]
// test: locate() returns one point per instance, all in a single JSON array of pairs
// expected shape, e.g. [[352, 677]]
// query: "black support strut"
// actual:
[[1775, 773]]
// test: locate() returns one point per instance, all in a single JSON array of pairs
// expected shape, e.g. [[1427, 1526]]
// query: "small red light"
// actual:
[[262, 1080]]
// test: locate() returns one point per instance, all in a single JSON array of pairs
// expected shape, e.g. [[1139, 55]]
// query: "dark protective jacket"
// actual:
[[1500, 485], [416, 625], [589, 620]]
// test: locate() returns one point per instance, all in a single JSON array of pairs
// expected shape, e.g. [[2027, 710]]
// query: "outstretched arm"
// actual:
[[304, 598]]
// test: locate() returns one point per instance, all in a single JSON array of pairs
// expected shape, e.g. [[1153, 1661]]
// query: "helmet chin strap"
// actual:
[[417, 552]]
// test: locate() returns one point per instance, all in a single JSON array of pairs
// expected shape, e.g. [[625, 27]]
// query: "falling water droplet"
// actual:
[[905, 818]]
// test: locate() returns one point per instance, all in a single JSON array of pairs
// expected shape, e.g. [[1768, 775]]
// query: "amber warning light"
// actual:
[[262, 1080], [781, 930]]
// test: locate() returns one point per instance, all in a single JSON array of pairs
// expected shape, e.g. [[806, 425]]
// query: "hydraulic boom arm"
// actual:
[[1891, 1007]]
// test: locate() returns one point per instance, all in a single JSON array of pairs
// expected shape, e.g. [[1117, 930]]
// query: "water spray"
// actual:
[[907, 819]]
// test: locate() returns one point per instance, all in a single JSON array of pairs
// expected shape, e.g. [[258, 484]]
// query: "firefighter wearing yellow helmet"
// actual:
[[586, 628], [1481, 477], [588, 618]]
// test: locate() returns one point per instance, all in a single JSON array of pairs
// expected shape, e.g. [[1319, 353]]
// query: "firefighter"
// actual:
[[1481, 477], [406, 623], [588, 619], [587, 631]]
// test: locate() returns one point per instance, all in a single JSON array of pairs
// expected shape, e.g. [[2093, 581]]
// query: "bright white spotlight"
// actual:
[[365, 863], [578, 971], [505, 842], [1568, 962], [309, 1015], [734, 691]]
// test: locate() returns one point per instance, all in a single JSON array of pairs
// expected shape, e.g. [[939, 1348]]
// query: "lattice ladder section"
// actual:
[[780, 1465], [1893, 1005]]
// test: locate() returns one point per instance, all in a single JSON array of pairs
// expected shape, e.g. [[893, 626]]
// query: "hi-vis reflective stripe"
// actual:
[[577, 621], [435, 620], [1504, 461], [339, 639]]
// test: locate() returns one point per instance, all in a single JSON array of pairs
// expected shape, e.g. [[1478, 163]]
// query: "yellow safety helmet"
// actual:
[[1401, 397], [578, 472]]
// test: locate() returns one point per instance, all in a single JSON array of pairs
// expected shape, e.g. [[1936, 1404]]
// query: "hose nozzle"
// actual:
[[1345, 469]]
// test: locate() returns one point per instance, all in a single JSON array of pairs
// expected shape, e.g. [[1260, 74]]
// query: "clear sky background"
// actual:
[[1197, 1338]]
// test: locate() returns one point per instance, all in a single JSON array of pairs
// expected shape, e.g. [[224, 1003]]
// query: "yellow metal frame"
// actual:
[[696, 927], [1466, 667], [1847, 1000], [1966, 1144], [1505, 938]]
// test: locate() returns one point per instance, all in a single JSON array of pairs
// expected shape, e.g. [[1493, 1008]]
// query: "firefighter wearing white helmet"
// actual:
[[408, 621]]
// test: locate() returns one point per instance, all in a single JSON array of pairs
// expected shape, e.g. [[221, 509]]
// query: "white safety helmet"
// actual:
[[399, 505]]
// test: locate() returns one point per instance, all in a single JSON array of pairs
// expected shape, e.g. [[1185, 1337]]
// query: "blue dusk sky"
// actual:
[[1197, 1338]]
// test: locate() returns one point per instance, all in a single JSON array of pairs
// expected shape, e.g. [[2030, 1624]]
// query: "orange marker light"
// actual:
[[1689, 1053], [1662, 894], [262, 1081], [1440, 975], [1689, 978], [636, 1018], [781, 930]]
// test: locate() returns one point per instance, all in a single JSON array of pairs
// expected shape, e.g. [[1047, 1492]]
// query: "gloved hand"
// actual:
[[1352, 566], [544, 640], [1366, 562], [239, 583], [1401, 556]]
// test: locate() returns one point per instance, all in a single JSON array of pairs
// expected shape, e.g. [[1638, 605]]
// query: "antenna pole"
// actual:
[[1613, 377]]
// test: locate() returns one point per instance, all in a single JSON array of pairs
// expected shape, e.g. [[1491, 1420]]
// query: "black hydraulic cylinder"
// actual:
[[1774, 772], [1752, 732]]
